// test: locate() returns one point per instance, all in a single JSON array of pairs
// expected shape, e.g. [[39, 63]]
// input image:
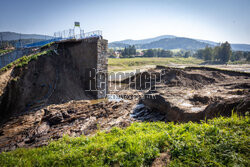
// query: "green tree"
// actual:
[[237, 56], [225, 52], [129, 51], [216, 53], [165, 53], [149, 53], [247, 56], [200, 54], [208, 53], [187, 54]]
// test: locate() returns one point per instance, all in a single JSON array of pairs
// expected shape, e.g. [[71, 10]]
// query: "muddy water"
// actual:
[[114, 97], [140, 112]]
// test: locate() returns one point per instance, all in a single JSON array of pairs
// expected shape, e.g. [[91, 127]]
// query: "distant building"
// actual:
[[117, 54]]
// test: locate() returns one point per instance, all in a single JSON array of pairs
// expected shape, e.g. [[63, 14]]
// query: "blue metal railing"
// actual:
[[41, 43]]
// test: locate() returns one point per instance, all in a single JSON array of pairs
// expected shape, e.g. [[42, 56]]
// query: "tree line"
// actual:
[[129, 51], [222, 54], [218, 54], [157, 53]]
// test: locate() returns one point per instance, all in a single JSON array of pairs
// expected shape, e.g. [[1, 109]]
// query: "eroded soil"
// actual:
[[180, 95], [191, 94], [74, 118]]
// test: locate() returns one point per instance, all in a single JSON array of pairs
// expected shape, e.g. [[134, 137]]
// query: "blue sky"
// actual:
[[216, 20]]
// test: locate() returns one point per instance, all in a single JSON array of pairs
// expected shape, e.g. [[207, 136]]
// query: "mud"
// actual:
[[179, 95], [193, 94], [74, 118]]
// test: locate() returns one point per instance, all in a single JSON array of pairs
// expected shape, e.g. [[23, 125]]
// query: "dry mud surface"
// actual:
[[74, 118], [180, 95]]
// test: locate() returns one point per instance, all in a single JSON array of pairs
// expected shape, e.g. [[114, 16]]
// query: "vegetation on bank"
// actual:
[[133, 63], [24, 60], [219, 142], [3, 51], [46, 46]]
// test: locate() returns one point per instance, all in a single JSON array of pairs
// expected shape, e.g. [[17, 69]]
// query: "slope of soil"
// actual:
[[52, 78]]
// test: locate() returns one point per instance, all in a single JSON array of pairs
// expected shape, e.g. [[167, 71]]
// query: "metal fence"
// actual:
[[65, 35], [93, 34]]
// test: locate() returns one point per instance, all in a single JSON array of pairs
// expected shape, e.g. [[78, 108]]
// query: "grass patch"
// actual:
[[219, 142], [239, 62], [48, 45], [123, 64], [24, 60], [3, 51]]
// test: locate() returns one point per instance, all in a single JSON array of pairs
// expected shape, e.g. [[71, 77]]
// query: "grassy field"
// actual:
[[219, 142], [133, 63], [239, 62]]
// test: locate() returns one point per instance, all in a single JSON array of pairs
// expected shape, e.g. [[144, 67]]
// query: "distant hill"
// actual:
[[173, 42], [209, 42], [9, 36], [144, 41], [241, 47], [117, 45], [176, 43]]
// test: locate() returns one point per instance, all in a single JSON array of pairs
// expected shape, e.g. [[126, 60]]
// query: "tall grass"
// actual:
[[219, 142], [3, 51]]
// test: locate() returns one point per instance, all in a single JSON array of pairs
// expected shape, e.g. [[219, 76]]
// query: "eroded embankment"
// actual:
[[51, 78], [194, 94], [56, 76], [179, 95]]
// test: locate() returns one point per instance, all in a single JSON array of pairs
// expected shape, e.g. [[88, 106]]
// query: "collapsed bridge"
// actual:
[[56, 76], [27, 49]]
